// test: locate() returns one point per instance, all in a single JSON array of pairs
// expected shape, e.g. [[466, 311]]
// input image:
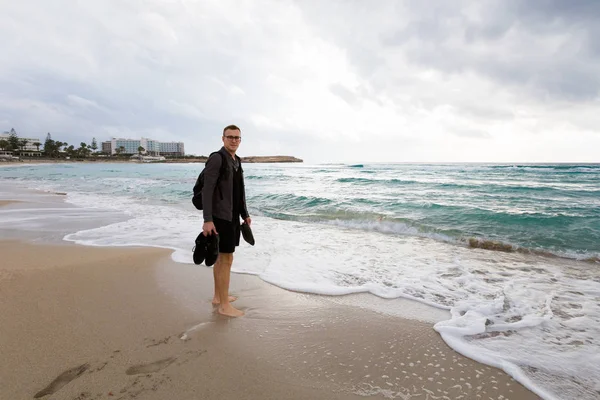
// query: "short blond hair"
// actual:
[[231, 128]]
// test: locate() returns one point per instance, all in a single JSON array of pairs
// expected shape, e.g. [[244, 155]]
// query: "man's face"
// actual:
[[232, 139]]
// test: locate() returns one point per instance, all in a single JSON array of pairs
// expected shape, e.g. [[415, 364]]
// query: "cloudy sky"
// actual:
[[326, 81]]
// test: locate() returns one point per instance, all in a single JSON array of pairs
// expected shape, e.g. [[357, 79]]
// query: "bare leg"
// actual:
[[216, 299], [216, 278], [223, 274]]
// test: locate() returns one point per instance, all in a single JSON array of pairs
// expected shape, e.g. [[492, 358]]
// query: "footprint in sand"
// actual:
[[150, 368], [62, 380], [159, 342]]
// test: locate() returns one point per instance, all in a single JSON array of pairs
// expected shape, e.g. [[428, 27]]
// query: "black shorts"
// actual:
[[229, 234]]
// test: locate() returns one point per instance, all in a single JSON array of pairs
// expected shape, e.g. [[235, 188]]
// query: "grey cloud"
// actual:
[[544, 10], [344, 93], [546, 50], [444, 38], [496, 17], [486, 112]]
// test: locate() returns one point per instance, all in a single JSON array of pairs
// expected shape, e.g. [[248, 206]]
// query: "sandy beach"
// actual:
[[119, 323]]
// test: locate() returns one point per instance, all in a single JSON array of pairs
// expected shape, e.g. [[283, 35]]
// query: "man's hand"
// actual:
[[209, 228], [248, 221]]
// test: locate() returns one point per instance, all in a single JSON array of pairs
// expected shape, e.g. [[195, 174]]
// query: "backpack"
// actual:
[[197, 197]]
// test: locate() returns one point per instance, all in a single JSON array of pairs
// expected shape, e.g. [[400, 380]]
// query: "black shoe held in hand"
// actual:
[[212, 249], [247, 233]]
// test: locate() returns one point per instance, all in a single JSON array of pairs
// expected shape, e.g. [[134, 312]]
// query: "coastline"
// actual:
[[140, 324], [200, 159]]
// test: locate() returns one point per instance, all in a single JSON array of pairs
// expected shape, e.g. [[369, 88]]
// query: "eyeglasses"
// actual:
[[237, 138]]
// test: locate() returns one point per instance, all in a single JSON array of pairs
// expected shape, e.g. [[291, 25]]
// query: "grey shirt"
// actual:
[[218, 200]]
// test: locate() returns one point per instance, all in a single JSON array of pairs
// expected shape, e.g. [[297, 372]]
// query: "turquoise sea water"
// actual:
[[548, 208], [544, 208], [512, 252]]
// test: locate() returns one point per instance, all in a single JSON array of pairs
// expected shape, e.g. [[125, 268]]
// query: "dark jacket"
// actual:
[[218, 201]]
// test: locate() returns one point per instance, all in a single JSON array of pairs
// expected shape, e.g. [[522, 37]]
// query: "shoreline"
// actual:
[[199, 159], [8, 202]]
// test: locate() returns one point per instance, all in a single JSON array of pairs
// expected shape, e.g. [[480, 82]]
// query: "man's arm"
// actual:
[[243, 207], [211, 175]]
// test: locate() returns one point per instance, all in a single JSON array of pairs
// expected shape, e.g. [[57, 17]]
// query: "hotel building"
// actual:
[[30, 141], [171, 149], [29, 149], [151, 147]]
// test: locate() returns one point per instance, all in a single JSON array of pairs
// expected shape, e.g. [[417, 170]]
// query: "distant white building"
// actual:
[[171, 149], [30, 141], [151, 147]]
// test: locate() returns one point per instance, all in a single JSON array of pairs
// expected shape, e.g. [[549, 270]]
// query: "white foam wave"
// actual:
[[149, 225], [390, 227]]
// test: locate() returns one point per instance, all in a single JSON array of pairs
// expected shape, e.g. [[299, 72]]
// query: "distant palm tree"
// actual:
[[4, 144], [141, 150], [94, 145], [82, 150], [37, 145], [23, 143]]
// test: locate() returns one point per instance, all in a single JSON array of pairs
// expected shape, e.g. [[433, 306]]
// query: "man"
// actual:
[[224, 201]]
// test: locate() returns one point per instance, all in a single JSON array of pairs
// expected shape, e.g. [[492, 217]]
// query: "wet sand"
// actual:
[[121, 323], [7, 202]]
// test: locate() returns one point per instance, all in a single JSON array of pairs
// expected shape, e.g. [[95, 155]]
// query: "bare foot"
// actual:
[[216, 301], [230, 311]]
